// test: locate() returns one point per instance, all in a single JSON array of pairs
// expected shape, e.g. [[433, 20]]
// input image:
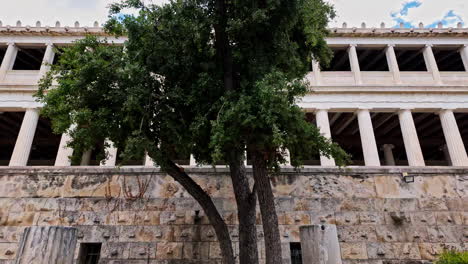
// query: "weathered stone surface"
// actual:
[[8, 250], [380, 219], [353, 250], [406, 251]]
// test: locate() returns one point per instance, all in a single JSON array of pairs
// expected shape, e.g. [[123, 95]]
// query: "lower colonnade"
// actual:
[[364, 126]]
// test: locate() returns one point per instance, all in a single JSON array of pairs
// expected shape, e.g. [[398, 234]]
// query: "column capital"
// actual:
[[447, 109], [405, 109], [47, 44], [34, 108], [321, 109], [428, 46], [462, 48], [363, 109], [11, 43], [391, 45], [388, 146], [353, 45]]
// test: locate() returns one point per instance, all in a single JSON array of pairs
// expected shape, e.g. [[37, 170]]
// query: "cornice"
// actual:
[[344, 31]]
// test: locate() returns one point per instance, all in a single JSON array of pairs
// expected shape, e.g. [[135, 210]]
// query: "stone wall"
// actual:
[[143, 216]]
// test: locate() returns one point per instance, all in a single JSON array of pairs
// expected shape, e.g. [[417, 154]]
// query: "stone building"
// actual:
[[396, 99]]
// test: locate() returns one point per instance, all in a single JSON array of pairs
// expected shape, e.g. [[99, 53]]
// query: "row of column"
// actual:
[[455, 147], [10, 56], [393, 67], [454, 142]]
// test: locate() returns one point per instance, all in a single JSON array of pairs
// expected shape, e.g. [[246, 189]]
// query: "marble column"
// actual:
[[454, 141], [8, 60], [317, 72], [323, 124], [410, 138], [25, 138], [388, 154], [112, 155], [86, 158], [393, 63], [369, 146], [287, 157], [193, 162], [64, 152], [47, 60], [354, 62], [148, 162], [431, 64], [464, 56]]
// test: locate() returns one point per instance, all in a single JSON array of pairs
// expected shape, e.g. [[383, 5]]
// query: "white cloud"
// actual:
[[354, 12], [373, 12], [433, 11]]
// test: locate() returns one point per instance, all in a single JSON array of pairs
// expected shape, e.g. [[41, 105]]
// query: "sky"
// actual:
[[353, 12]]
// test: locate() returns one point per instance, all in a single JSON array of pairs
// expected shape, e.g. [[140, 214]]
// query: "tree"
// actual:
[[214, 78]]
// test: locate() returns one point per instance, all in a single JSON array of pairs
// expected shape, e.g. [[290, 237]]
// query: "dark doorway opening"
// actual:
[[345, 132], [388, 132], [45, 145], [89, 253], [10, 124], [296, 252], [431, 138]]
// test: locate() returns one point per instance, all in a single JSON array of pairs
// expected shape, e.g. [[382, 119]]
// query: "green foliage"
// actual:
[[163, 90], [453, 257]]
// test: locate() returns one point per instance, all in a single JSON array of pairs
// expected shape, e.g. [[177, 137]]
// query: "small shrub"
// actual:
[[453, 257]]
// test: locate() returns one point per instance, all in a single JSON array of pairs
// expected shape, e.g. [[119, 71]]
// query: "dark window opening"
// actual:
[[339, 62], [410, 59], [431, 139], [448, 59], [462, 122], [29, 59], [296, 252], [2, 53], [45, 145], [345, 132], [137, 160], [372, 59], [388, 135], [89, 253], [10, 124]]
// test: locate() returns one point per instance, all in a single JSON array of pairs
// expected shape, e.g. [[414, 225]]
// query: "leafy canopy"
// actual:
[[163, 90]]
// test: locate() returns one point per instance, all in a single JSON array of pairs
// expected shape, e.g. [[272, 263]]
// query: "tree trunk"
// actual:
[[246, 202], [205, 201], [266, 201], [47, 245]]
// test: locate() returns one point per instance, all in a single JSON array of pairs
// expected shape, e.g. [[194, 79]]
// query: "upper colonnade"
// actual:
[[391, 96]]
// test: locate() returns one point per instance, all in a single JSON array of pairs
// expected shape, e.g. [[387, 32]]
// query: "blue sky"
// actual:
[[394, 12], [354, 12]]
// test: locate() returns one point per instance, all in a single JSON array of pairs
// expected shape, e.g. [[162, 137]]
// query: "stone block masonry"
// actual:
[[141, 215]]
